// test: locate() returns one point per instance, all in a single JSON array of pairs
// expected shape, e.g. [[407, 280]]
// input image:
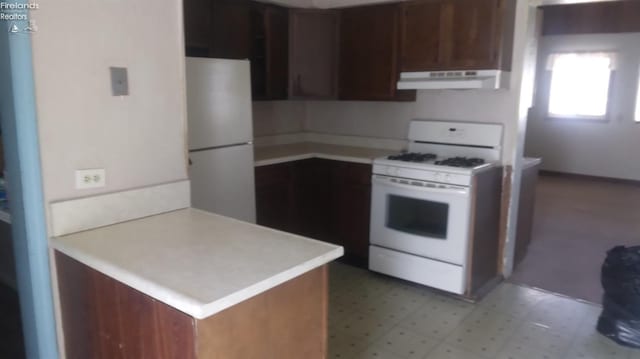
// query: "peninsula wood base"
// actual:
[[103, 318]]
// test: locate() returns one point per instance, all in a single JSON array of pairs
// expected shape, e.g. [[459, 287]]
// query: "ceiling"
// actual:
[[327, 4]]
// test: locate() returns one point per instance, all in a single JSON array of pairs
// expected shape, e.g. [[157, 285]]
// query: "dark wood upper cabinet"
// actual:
[[313, 54], [197, 27], [421, 35], [474, 38], [230, 32], [241, 29], [369, 49], [269, 53], [277, 32], [456, 35], [592, 18]]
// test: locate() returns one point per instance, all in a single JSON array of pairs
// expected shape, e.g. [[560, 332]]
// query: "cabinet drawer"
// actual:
[[353, 173], [273, 174]]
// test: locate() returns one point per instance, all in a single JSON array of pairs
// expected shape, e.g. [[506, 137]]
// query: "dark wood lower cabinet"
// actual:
[[526, 211], [275, 196], [313, 202], [103, 318], [484, 243], [322, 199], [351, 185]]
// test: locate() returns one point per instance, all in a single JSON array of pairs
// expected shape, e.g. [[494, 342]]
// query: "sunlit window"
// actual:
[[580, 84], [637, 117]]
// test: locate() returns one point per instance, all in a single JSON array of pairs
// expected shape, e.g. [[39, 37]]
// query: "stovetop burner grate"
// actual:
[[461, 162], [413, 157], [416, 157]]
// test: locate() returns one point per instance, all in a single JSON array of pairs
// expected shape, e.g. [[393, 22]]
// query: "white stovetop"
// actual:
[[432, 167], [197, 262]]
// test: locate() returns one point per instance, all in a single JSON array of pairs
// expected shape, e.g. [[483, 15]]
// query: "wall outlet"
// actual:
[[90, 178]]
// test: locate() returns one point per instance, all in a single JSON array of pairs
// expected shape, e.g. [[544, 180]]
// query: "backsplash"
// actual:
[[278, 117]]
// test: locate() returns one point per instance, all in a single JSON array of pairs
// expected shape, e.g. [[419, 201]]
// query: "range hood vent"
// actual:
[[466, 79]]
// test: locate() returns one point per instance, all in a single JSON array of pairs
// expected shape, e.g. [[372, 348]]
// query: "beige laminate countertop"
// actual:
[[272, 154], [197, 262]]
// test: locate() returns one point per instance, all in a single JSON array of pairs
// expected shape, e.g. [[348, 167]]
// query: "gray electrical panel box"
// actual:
[[119, 81]]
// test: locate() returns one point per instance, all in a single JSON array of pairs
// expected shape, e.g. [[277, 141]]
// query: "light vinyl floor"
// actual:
[[375, 316]]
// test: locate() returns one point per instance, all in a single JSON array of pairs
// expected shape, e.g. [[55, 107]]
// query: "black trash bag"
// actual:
[[619, 325], [620, 277]]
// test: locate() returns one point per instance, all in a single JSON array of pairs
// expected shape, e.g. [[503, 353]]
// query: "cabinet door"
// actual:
[[473, 42], [313, 52], [277, 51], [269, 51], [274, 196], [197, 27], [313, 207], [422, 30], [351, 186], [227, 43], [369, 43]]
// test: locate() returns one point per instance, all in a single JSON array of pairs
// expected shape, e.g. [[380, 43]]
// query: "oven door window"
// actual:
[[418, 216]]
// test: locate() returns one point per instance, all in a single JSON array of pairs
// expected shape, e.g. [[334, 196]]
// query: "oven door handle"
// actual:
[[424, 189]]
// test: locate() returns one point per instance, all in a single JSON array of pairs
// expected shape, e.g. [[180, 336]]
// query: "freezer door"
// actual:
[[218, 102], [222, 182]]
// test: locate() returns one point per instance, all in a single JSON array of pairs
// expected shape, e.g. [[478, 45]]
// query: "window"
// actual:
[[579, 86], [637, 116]]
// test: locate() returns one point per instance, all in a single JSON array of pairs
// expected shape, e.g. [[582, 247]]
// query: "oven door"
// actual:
[[423, 219]]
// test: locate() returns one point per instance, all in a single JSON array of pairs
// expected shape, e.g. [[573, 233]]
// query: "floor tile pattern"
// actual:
[[375, 316]]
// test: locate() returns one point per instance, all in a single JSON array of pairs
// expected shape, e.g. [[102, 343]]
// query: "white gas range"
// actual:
[[423, 208]]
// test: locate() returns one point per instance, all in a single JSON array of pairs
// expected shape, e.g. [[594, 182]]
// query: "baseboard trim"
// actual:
[[589, 177]]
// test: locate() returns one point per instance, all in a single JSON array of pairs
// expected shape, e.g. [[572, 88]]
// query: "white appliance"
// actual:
[[421, 204], [220, 137], [465, 79]]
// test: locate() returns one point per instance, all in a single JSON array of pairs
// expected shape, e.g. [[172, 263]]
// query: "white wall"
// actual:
[[391, 119], [278, 117], [598, 148], [139, 139]]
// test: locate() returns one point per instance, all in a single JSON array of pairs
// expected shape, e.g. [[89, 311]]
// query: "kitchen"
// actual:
[[164, 162], [295, 197]]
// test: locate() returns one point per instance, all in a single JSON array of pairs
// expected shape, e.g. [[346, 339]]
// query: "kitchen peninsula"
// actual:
[[192, 284]]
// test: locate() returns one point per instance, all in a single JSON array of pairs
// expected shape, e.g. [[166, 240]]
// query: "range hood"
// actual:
[[466, 79]]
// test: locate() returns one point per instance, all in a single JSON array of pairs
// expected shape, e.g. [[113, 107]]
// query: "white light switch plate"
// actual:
[[119, 81], [90, 178]]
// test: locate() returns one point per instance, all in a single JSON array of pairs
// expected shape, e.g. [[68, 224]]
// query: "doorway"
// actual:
[[584, 126]]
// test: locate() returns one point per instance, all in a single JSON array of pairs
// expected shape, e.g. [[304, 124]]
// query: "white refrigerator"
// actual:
[[220, 137]]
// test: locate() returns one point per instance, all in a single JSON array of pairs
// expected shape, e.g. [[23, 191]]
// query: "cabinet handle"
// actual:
[[299, 84]]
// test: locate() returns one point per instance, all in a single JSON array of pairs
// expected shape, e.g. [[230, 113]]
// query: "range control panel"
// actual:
[[423, 175]]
